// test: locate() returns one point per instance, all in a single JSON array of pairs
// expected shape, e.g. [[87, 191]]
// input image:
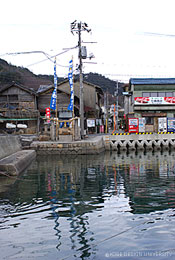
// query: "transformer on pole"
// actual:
[[78, 28]]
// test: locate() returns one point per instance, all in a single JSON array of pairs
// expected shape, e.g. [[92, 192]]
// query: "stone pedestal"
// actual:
[[65, 138]]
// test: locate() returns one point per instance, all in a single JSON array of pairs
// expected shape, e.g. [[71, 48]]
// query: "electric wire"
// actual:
[[48, 57]]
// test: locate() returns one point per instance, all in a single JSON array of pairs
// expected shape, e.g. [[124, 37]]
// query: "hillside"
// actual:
[[10, 73], [23, 76], [106, 84]]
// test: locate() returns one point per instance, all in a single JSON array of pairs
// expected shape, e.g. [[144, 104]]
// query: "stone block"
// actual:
[[17, 162], [44, 138], [65, 138]]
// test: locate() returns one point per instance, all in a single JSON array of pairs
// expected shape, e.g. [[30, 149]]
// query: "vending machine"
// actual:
[[133, 125], [171, 125], [162, 124], [142, 125]]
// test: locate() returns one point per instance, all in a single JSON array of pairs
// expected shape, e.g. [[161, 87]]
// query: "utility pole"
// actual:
[[81, 84], [117, 105], [78, 28], [105, 111]]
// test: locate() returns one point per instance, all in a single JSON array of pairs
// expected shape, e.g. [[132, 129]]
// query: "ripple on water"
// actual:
[[90, 205]]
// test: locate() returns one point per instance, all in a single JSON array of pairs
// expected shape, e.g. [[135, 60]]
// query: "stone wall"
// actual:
[[9, 144], [90, 146]]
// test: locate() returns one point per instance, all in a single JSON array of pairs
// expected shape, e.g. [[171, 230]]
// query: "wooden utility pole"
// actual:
[[79, 27], [117, 106], [81, 84]]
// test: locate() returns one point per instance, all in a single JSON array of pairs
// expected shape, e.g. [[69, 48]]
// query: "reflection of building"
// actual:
[[148, 183], [77, 173], [150, 99]]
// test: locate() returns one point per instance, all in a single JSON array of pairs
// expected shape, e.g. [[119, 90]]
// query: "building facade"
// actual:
[[18, 109], [150, 99], [20, 105]]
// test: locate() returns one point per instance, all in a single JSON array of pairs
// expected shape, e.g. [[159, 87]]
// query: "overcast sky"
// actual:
[[134, 38]]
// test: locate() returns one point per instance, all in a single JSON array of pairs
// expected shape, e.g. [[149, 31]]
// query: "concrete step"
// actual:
[[17, 162]]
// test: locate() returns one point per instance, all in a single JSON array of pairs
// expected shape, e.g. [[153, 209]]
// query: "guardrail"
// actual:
[[145, 133]]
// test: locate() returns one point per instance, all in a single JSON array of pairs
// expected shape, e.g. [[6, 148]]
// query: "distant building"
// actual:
[[150, 98], [93, 96], [18, 106]]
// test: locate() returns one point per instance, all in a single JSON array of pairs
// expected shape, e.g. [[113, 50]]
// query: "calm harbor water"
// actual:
[[109, 206]]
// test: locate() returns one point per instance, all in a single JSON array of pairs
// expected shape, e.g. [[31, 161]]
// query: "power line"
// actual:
[[158, 34], [48, 57], [54, 57]]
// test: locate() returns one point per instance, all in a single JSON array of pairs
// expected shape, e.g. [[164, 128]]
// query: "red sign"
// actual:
[[154, 100], [169, 99], [142, 100], [48, 113]]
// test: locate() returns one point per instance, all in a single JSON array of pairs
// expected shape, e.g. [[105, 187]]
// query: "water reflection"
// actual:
[[77, 200], [149, 182]]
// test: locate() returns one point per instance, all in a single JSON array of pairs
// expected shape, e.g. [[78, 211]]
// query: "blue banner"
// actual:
[[53, 100], [70, 77]]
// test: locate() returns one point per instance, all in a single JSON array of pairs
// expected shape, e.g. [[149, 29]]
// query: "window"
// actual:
[[157, 94], [3, 98], [13, 98], [149, 120], [153, 94], [169, 94], [145, 94], [161, 94]]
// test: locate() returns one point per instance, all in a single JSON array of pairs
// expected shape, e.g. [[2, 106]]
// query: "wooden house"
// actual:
[[92, 101], [63, 100], [18, 105], [22, 105], [92, 97]]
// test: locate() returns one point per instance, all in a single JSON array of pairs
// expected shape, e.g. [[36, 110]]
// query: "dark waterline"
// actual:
[[107, 206]]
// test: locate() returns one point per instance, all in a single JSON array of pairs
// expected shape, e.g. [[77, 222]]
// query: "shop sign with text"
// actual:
[[154, 100]]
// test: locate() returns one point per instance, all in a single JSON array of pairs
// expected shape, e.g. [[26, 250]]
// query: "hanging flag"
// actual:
[[54, 94], [70, 77]]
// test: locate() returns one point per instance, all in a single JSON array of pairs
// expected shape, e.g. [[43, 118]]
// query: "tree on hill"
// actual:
[[10, 73]]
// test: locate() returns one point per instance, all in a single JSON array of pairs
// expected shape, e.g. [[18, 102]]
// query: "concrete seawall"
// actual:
[[9, 144], [17, 162], [98, 144], [153, 141], [93, 145], [13, 160]]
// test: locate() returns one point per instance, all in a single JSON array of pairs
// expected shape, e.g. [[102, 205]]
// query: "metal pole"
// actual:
[[117, 106], [115, 128], [107, 116], [73, 123], [81, 85], [56, 112]]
